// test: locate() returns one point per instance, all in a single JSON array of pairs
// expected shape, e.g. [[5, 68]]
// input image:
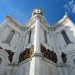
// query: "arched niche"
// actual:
[[4, 62], [4, 57], [71, 62], [70, 56]]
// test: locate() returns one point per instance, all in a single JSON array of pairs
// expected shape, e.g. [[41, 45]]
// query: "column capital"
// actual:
[[37, 18]]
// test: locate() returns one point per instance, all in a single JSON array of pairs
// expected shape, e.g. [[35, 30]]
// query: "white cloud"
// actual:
[[70, 6], [73, 10], [71, 2]]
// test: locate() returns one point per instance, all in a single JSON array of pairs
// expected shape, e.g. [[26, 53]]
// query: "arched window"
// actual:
[[29, 36], [67, 40], [11, 34], [0, 60], [45, 36]]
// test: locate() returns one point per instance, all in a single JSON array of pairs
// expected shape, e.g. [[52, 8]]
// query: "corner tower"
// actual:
[[42, 57]]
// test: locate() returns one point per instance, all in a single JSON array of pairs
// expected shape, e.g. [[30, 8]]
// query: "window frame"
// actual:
[[45, 37], [29, 37], [65, 37], [9, 37]]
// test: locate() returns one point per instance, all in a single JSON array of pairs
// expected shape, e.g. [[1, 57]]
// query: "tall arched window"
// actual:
[[11, 34], [45, 36], [29, 36], [0, 60], [66, 38]]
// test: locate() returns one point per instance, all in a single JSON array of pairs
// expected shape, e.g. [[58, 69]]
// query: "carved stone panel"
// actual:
[[48, 54], [27, 53]]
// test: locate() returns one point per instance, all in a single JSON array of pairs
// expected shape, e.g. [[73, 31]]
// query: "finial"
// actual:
[[37, 11], [66, 13], [9, 16]]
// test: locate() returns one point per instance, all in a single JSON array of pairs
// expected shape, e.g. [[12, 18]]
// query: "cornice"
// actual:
[[41, 18], [14, 21], [64, 20]]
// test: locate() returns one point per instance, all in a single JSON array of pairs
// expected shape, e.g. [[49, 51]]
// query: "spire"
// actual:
[[66, 15]]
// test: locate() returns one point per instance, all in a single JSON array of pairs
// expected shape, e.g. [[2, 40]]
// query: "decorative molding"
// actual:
[[25, 61], [11, 28], [63, 20], [12, 19], [10, 53], [48, 54], [27, 53], [49, 61], [62, 65]]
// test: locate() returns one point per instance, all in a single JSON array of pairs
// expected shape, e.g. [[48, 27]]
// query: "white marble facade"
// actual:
[[16, 39]]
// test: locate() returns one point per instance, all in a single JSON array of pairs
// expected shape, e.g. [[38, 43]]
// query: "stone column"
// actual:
[[56, 47], [37, 36], [18, 48]]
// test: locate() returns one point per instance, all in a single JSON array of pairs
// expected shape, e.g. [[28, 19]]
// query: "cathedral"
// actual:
[[37, 48]]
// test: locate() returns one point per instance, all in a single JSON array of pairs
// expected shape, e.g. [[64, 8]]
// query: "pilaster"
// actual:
[[35, 62], [37, 36], [18, 47]]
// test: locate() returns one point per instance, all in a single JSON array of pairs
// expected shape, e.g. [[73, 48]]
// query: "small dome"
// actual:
[[37, 11]]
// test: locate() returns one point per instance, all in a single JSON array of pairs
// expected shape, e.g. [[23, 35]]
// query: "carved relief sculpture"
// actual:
[[48, 54], [10, 53], [27, 53]]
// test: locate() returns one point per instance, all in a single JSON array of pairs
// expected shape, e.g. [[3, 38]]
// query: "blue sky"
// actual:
[[22, 9]]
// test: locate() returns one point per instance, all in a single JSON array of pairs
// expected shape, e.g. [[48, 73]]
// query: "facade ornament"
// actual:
[[10, 53], [27, 53], [49, 54]]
